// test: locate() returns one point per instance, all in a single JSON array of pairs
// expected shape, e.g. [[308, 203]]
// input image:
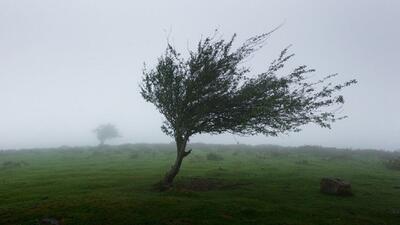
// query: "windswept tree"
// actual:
[[211, 91], [105, 132]]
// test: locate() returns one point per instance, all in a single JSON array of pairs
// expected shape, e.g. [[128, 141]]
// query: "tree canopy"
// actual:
[[212, 91], [105, 132]]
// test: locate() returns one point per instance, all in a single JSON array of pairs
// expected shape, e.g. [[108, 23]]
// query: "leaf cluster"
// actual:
[[210, 91]]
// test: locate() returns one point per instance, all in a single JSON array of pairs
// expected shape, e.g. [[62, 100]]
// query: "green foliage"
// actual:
[[211, 92]]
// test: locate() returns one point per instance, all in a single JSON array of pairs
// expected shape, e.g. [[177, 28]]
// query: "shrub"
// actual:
[[214, 157], [393, 163], [279, 154], [134, 155], [13, 165]]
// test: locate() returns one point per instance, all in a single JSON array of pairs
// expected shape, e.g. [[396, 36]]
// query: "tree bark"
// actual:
[[181, 153]]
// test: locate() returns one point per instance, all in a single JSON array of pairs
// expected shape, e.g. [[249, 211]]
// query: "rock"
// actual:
[[49, 221], [395, 211], [335, 186]]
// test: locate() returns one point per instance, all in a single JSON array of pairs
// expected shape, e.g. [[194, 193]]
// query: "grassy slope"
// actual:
[[112, 186]]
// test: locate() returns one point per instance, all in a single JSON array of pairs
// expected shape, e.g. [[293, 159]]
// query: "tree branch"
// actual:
[[186, 153]]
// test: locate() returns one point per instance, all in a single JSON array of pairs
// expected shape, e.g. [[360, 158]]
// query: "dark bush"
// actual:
[[13, 165], [134, 155], [261, 156], [279, 154], [214, 157], [393, 164]]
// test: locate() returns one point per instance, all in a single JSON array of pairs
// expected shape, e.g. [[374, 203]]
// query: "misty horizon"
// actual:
[[68, 66]]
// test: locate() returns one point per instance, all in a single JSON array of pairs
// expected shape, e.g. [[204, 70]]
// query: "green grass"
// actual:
[[88, 186]]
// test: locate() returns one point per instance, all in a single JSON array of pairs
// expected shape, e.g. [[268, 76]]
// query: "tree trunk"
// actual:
[[101, 144], [181, 153]]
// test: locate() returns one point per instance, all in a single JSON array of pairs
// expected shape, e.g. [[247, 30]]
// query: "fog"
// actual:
[[68, 66]]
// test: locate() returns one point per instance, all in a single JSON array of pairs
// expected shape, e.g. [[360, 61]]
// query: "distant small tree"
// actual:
[[209, 92], [105, 132]]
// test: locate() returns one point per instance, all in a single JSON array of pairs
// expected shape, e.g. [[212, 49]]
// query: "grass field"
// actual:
[[249, 185]]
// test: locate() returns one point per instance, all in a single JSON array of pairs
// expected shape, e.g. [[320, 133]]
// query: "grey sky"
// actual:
[[66, 66]]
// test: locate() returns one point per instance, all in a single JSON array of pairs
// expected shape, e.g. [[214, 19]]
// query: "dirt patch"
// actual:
[[207, 184]]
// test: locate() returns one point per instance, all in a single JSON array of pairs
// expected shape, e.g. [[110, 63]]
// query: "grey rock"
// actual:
[[335, 186], [49, 221]]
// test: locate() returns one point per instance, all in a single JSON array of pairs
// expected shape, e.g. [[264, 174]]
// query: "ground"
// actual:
[[247, 185]]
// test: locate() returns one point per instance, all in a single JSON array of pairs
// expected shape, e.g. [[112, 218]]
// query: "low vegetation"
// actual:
[[251, 185], [214, 157], [393, 163]]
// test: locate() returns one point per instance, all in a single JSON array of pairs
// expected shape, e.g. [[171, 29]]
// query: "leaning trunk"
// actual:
[[171, 174], [180, 155]]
